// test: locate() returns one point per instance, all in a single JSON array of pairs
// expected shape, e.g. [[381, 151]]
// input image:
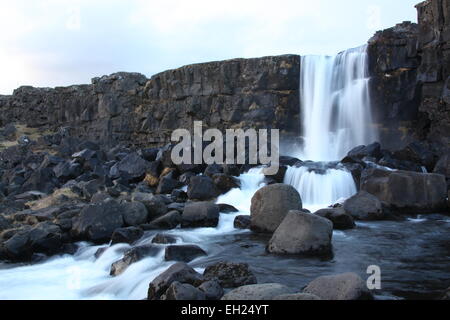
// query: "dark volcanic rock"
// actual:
[[183, 253], [212, 290], [407, 192], [131, 256], [134, 213], [226, 208], [179, 272], [163, 239], [200, 214], [225, 183], [373, 150], [271, 204], [183, 291], [266, 291], [156, 206], [168, 221], [341, 220], [98, 222], [202, 188], [230, 275], [126, 235], [242, 222]]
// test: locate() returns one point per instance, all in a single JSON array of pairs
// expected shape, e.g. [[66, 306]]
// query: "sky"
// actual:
[[47, 43]]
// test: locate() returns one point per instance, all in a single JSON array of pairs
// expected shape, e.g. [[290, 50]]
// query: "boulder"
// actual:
[[183, 291], [242, 222], [407, 192], [168, 221], [183, 253], [97, 222], [347, 286], [297, 296], [364, 206], [202, 188], [163, 239], [373, 151], [212, 290], [126, 235], [156, 206], [267, 291], [179, 272], [225, 182], [200, 214], [132, 167], [230, 275], [340, 220], [226, 208], [443, 166], [213, 169], [131, 256], [302, 233], [134, 213], [271, 204], [5, 224], [167, 185]]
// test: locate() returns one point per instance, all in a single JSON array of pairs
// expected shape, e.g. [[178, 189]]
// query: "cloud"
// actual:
[[60, 42]]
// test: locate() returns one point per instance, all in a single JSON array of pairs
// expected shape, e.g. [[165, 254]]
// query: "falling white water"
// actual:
[[336, 117], [82, 276], [318, 190], [335, 104]]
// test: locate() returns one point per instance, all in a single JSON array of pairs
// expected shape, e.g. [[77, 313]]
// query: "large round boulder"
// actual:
[[271, 204], [302, 233], [134, 213], [202, 188], [347, 286]]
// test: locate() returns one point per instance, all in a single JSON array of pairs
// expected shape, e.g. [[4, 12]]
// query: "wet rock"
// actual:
[[225, 183], [179, 272], [347, 286], [230, 275], [417, 153], [278, 177], [202, 188], [226, 208], [132, 256], [231, 170], [200, 215], [156, 206], [242, 222], [183, 253], [270, 206], [167, 185], [100, 252], [302, 233], [267, 291], [164, 239], [212, 170], [168, 221], [297, 296], [364, 206], [212, 290], [373, 150], [407, 192], [183, 291], [98, 222], [340, 220], [134, 213], [126, 235]]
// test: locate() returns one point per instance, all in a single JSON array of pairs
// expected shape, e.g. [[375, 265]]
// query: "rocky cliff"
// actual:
[[131, 109], [410, 67]]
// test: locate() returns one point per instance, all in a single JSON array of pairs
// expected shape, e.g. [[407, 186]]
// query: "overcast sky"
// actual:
[[62, 42]]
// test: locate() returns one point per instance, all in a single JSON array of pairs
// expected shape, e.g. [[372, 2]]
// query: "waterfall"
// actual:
[[335, 104], [336, 117]]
